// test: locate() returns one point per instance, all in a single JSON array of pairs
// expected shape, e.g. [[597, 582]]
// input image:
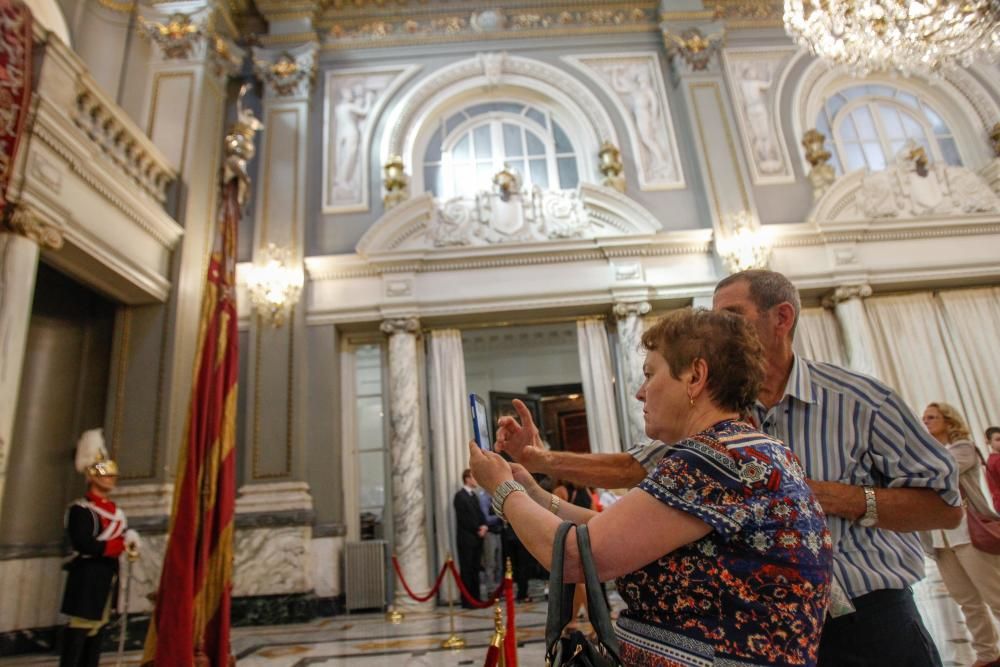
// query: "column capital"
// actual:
[[845, 293], [694, 47], [287, 72], [24, 222], [396, 325], [186, 33], [626, 309]]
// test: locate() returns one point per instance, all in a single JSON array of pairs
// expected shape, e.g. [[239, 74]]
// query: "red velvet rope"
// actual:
[[465, 591], [419, 598], [510, 638]]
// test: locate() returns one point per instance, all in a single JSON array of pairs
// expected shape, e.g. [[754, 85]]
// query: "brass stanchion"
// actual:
[[394, 616], [496, 642], [453, 641]]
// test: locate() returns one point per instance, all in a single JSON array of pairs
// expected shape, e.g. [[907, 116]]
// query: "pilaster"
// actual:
[[276, 370], [693, 41], [409, 517]]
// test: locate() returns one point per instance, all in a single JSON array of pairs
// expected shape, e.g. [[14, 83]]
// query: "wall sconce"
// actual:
[[274, 284], [395, 181], [746, 246], [611, 166]]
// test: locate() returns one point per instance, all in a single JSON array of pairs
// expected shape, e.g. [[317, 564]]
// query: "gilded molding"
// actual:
[[736, 13], [287, 73], [120, 6], [696, 48]]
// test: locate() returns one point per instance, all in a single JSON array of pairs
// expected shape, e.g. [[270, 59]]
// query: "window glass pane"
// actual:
[[874, 155], [890, 121], [568, 177], [480, 109], [432, 180], [368, 370], [936, 123], [912, 127], [539, 173], [368, 415], [482, 141], [864, 122], [517, 165], [538, 117], [484, 176], [453, 122], [847, 131], [855, 157], [372, 492], [907, 99], [896, 147], [853, 93], [461, 149], [562, 141], [882, 91], [950, 152], [433, 152], [512, 142], [510, 107], [823, 126], [465, 178], [535, 145], [834, 104]]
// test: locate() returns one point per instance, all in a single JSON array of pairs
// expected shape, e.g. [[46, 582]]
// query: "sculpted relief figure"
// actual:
[[349, 116], [754, 81], [634, 83]]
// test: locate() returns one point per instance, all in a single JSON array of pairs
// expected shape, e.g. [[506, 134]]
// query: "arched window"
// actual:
[[871, 123], [472, 145]]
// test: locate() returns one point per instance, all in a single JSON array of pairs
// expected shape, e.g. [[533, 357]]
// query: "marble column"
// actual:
[[848, 305], [628, 319], [19, 250], [406, 449]]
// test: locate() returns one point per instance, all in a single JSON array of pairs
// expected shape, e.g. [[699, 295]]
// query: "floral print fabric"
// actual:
[[754, 591]]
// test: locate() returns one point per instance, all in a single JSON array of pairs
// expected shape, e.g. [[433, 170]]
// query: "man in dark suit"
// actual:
[[471, 528]]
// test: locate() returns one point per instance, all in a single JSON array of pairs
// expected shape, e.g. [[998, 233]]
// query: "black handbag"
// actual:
[[575, 649]]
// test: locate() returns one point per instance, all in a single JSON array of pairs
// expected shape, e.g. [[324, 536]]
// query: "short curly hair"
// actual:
[[727, 343]]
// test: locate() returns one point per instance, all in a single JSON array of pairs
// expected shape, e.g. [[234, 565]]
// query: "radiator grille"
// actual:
[[364, 571]]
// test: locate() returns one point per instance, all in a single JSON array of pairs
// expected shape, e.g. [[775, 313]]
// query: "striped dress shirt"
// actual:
[[850, 428]]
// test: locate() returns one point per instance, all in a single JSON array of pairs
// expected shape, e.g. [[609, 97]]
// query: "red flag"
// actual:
[[193, 602]]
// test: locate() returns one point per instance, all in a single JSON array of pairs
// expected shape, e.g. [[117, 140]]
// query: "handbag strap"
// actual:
[[560, 594], [597, 606]]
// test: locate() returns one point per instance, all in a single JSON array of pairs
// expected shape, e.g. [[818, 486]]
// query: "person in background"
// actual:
[[993, 464], [98, 534], [971, 576], [471, 528], [492, 547]]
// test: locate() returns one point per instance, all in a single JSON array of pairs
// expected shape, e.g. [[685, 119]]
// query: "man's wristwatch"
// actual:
[[504, 489], [870, 517]]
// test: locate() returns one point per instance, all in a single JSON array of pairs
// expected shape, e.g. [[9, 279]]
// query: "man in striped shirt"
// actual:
[[874, 468]]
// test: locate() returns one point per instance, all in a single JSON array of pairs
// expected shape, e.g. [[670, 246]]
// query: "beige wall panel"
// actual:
[[169, 114]]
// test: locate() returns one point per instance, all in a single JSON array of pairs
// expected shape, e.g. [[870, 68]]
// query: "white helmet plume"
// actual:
[[92, 456]]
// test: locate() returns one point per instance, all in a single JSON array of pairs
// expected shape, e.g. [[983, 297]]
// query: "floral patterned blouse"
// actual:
[[754, 591]]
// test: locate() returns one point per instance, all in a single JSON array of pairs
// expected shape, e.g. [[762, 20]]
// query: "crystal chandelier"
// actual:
[[274, 284], [908, 36]]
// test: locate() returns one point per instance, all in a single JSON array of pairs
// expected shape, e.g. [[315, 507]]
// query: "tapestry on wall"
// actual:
[[15, 84]]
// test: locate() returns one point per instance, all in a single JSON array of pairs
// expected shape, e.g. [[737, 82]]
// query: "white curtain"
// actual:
[[972, 320], [451, 429], [598, 385], [817, 337], [912, 349]]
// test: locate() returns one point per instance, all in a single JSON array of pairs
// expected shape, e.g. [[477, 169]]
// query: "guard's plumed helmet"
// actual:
[[91, 455]]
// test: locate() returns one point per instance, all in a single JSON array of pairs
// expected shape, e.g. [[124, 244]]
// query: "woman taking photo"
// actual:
[[971, 576], [722, 552]]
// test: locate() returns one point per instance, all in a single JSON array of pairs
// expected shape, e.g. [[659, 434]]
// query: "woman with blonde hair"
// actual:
[[971, 576]]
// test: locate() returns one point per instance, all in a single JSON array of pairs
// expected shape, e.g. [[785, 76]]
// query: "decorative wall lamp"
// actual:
[[274, 284], [395, 181], [747, 245], [611, 166]]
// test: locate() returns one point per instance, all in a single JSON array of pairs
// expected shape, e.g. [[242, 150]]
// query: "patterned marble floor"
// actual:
[[367, 640]]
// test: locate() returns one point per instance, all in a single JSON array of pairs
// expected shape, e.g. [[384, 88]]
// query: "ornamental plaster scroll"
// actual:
[[906, 190], [753, 76], [354, 99], [429, 98], [483, 220], [287, 73], [635, 83], [962, 101], [186, 31]]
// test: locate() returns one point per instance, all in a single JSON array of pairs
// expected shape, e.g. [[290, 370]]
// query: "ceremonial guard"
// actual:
[[98, 535]]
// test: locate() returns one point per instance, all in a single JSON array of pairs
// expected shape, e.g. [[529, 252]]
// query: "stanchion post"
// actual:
[[498, 633], [393, 615], [453, 641]]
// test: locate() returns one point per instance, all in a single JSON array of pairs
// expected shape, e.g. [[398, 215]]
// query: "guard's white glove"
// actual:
[[132, 542]]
